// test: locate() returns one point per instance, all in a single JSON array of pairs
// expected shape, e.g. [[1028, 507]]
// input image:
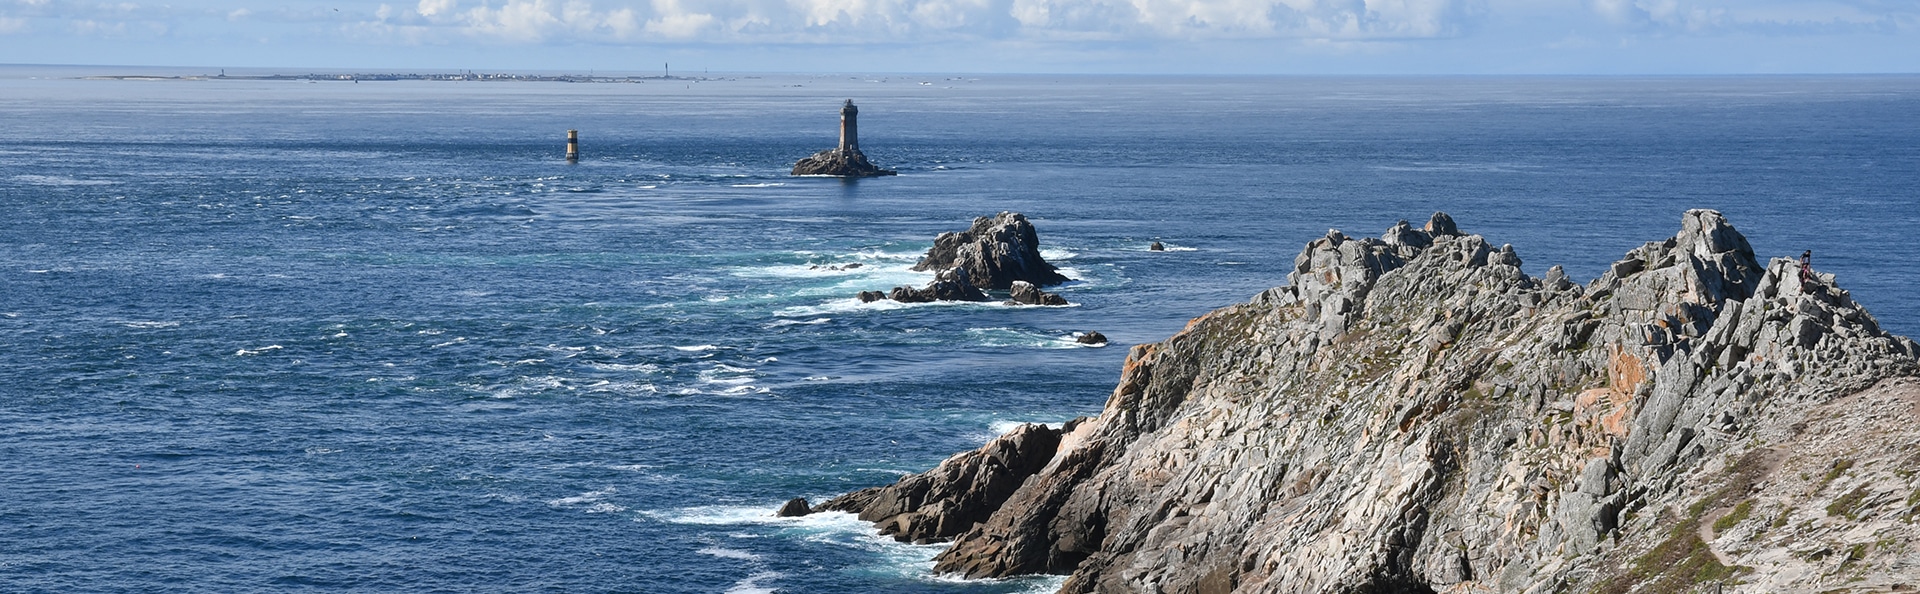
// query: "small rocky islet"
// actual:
[[1413, 413], [997, 253]]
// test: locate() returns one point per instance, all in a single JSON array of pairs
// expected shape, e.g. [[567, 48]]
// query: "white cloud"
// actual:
[[12, 25], [433, 8]]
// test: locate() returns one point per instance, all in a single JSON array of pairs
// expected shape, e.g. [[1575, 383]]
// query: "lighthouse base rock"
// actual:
[[1413, 413]]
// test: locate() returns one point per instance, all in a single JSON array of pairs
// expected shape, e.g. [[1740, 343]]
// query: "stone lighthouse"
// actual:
[[849, 129], [845, 160]]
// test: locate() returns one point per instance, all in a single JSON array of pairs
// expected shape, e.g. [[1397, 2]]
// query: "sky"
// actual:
[[1321, 37]]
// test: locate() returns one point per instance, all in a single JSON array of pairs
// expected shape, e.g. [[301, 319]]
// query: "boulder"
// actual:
[[794, 508], [839, 163], [1024, 293], [1156, 247], [995, 251], [1091, 337], [871, 296]]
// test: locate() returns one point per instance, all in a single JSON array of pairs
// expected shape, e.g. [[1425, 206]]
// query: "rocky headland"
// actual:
[[839, 162], [1414, 413], [997, 253]]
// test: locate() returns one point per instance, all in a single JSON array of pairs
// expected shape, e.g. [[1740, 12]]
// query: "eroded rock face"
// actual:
[[939, 504], [995, 251], [1416, 414], [839, 163]]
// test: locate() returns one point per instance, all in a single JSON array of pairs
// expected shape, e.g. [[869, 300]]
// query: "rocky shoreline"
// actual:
[[1414, 413]]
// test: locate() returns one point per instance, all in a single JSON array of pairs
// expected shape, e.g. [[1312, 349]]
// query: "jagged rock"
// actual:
[[794, 508], [1416, 414], [995, 251], [951, 285], [1156, 247], [1024, 293], [871, 296], [942, 503], [840, 163], [1091, 337]]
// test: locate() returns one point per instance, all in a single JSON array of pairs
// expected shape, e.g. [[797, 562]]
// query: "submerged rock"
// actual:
[[995, 251], [1024, 293], [1416, 414], [1091, 337], [1156, 247]]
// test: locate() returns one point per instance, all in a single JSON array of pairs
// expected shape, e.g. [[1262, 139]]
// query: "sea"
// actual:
[[380, 336]]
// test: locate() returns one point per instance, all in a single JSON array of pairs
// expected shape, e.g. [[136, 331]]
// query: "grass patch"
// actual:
[[1848, 506], [1734, 517], [1839, 467]]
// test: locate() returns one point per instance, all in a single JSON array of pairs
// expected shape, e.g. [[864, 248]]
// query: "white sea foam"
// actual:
[[779, 323], [698, 348], [264, 349], [1015, 337], [631, 367], [729, 554], [1057, 254], [762, 185], [150, 324], [751, 585], [1000, 428], [587, 497]]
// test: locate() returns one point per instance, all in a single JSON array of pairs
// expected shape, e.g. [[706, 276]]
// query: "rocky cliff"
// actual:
[[995, 251], [1415, 414]]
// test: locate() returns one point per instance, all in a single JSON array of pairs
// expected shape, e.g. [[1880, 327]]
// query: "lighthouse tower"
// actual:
[[849, 129]]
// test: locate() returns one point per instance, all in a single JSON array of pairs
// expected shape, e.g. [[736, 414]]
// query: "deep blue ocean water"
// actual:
[[380, 337]]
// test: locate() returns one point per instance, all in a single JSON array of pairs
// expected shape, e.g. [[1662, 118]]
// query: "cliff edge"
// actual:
[[1413, 413]]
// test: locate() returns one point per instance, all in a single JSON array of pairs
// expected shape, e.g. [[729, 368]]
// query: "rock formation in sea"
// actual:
[[844, 160], [1416, 414], [1000, 252], [996, 251]]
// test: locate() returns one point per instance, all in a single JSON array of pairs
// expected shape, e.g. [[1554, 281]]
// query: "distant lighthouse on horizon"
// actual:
[[849, 129]]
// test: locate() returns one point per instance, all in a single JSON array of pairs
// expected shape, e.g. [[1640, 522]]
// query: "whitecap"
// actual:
[[61, 180], [1230, 263], [779, 323], [587, 497], [633, 367], [1003, 427], [150, 324], [245, 352], [764, 185], [697, 348], [1015, 337], [1055, 254], [728, 554]]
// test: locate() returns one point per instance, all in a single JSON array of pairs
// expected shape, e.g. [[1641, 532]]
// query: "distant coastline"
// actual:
[[460, 76]]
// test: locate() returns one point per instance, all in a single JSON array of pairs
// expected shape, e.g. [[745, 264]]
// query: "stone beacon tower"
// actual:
[[845, 160], [849, 129]]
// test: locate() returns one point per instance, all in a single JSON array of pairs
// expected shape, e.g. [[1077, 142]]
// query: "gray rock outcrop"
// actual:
[[839, 163], [944, 502], [1416, 414], [950, 285], [1024, 293], [995, 251]]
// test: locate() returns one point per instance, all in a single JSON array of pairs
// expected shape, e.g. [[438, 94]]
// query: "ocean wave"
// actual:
[[1057, 254], [1016, 337], [60, 180], [760, 185], [264, 349], [751, 585], [587, 497], [815, 321], [698, 348], [728, 554], [150, 324]]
